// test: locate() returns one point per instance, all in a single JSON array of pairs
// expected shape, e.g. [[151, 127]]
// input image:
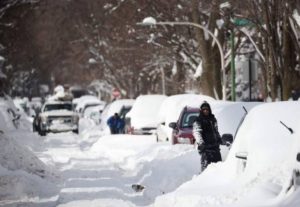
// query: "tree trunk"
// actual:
[[210, 81]]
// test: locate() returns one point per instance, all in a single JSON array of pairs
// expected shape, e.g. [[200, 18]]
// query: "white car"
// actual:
[[56, 116], [82, 103], [143, 117]]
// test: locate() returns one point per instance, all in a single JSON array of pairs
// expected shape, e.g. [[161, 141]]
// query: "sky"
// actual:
[[92, 169]]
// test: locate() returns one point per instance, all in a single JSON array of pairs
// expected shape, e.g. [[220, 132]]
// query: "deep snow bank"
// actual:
[[22, 174], [160, 167]]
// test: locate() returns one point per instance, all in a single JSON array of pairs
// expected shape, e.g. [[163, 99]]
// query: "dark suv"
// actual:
[[183, 128]]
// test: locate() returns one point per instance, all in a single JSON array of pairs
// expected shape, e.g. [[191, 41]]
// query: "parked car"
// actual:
[[23, 105], [143, 117], [228, 124], [170, 110], [56, 116], [80, 104], [183, 128], [93, 112]]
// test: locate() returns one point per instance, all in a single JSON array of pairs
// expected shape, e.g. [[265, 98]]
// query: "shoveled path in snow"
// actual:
[[84, 177], [104, 175]]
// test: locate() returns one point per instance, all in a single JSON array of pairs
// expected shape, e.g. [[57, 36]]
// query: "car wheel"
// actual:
[[173, 141], [75, 131]]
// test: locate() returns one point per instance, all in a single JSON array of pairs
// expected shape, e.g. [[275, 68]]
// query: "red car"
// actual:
[[183, 128]]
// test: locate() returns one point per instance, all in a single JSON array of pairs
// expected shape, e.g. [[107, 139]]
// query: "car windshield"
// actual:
[[188, 119], [64, 106]]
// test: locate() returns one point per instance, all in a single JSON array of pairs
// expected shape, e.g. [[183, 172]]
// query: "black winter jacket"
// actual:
[[206, 130]]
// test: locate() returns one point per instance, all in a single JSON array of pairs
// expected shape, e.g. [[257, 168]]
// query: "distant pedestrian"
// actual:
[[208, 139], [116, 124], [295, 95]]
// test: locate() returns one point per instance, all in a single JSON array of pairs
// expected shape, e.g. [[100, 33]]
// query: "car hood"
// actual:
[[186, 132], [58, 113]]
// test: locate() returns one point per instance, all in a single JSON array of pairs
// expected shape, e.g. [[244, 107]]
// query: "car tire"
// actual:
[[173, 141], [75, 131]]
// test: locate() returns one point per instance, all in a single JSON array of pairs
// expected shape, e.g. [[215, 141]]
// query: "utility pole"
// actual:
[[250, 78], [233, 94], [163, 81]]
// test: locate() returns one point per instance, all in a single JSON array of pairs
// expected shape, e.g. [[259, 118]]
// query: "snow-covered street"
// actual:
[[103, 173], [93, 169]]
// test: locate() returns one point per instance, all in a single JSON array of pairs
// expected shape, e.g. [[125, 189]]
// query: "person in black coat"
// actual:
[[208, 139]]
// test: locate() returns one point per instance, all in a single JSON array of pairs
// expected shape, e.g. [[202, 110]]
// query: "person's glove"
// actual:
[[201, 148]]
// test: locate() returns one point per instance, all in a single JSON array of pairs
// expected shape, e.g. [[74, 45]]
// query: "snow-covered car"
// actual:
[[120, 106], [82, 103], [56, 116], [143, 117], [93, 112], [24, 106]]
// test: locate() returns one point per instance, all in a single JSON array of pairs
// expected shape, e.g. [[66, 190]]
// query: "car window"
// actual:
[[89, 106], [50, 107], [188, 119]]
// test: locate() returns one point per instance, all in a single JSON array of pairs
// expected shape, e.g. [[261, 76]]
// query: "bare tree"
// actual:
[[277, 39]]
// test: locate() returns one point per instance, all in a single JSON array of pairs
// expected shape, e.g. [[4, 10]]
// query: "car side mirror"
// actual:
[[227, 139], [298, 156], [173, 125], [163, 123]]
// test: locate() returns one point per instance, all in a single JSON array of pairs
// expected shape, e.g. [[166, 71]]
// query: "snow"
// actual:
[[67, 169], [198, 71], [83, 101], [144, 112], [296, 17], [92, 61]]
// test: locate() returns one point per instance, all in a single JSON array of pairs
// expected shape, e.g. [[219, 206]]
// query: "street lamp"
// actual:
[[149, 21]]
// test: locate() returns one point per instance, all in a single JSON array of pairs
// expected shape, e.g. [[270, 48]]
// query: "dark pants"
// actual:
[[209, 156], [114, 130]]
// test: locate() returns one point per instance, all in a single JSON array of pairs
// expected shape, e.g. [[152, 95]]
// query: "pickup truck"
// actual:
[[56, 116]]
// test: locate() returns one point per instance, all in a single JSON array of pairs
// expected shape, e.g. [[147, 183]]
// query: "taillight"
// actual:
[[130, 130]]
